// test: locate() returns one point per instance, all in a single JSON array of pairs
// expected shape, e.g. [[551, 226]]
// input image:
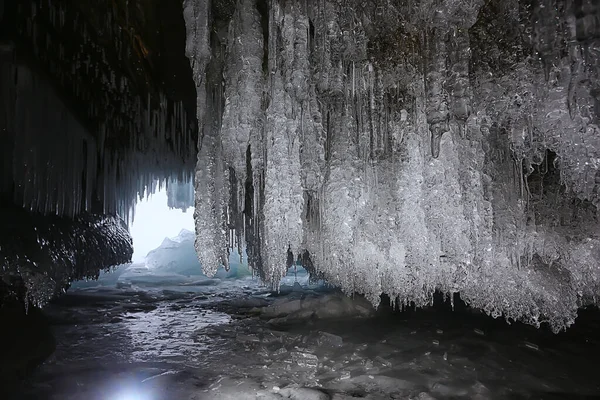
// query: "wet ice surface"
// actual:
[[235, 340]]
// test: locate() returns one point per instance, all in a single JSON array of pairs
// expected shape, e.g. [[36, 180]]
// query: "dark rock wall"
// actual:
[[119, 70], [97, 103], [41, 255], [26, 340]]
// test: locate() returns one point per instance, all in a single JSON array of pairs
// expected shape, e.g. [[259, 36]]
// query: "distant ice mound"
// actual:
[[175, 263], [175, 255]]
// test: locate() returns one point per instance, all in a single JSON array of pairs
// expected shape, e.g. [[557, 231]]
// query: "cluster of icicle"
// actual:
[[128, 140], [180, 192], [403, 171]]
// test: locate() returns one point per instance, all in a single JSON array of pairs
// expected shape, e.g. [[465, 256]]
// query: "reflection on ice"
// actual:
[[165, 331], [247, 343], [131, 394], [158, 334]]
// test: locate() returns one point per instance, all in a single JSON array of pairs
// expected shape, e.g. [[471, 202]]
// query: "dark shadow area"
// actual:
[[26, 340]]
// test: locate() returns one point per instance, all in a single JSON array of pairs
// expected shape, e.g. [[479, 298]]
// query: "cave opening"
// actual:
[[161, 215]]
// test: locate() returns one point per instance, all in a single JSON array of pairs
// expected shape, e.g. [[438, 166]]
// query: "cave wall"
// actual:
[[41, 255], [404, 146], [97, 107], [40, 131]]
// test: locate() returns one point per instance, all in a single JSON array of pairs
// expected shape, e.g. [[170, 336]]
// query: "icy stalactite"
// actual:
[[209, 214], [312, 149], [344, 200], [212, 173], [437, 99], [196, 14], [244, 86], [546, 37], [427, 147], [180, 193], [307, 112], [293, 138], [458, 86], [283, 195], [242, 118]]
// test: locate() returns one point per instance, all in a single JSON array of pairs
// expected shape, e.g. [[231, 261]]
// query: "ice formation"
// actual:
[[180, 193], [97, 153], [405, 146]]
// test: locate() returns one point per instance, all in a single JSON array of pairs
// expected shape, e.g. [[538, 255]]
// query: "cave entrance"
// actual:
[[162, 229], [158, 217]]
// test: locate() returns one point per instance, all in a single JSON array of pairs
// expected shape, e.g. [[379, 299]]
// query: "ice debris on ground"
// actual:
[[186, 344]]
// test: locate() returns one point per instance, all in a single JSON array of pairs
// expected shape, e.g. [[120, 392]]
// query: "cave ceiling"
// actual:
[[119, 69]]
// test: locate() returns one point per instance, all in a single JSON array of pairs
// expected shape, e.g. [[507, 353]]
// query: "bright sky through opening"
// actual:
[[154, 221]]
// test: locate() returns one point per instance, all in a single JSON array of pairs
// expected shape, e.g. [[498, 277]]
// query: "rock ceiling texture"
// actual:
[[392, 146], [402, 146]]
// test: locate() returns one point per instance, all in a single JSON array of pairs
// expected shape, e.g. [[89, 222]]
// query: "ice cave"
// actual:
[[390, 199]]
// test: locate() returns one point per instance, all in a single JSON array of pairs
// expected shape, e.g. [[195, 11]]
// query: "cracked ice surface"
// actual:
[[406, 146]]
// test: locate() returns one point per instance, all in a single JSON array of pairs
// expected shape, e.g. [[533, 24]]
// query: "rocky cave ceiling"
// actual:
[[393, 146]]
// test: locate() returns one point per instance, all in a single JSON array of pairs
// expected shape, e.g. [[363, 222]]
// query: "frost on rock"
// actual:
[[41, 255], [408, 146]]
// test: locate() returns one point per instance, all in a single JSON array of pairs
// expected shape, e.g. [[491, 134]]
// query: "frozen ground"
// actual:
[[231, 339]]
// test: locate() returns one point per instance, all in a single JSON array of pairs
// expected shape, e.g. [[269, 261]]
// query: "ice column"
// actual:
[[283, 206], [437, 101], [244, 86], [211, 180]]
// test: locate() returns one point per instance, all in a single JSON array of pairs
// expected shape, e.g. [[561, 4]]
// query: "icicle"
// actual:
[[242, 97], [353, 81], [437, 108], [458, 78], [574, 81]]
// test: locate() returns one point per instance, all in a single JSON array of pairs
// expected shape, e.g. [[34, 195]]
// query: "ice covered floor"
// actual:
[[236, 341]]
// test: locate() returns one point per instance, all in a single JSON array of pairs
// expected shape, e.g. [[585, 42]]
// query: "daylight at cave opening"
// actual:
[[299, 199], [155, 219]]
